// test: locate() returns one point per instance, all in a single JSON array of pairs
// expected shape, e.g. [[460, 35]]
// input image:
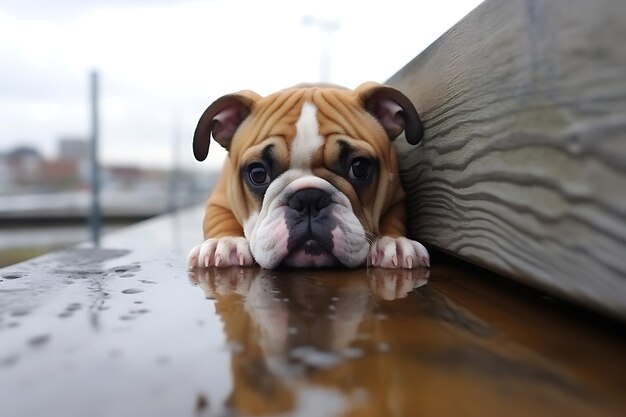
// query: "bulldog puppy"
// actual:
[[311, 179]]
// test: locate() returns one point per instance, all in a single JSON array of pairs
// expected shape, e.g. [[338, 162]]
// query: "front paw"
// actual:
[[400, 252], [221, 252]]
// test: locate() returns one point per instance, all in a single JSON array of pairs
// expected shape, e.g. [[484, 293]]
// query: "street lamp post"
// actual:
[[95, 213], [326, 26]]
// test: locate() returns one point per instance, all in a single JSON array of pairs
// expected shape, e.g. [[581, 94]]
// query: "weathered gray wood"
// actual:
[[523, 167]]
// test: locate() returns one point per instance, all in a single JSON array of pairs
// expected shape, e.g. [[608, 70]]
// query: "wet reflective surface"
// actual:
[[127, 330]]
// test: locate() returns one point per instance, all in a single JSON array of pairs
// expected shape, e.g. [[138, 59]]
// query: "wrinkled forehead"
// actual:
[[329, 111]]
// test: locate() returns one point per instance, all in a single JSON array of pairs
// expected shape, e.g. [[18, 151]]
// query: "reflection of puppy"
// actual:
[[283, 329], [311, 179], [277, 304], [397, 285]]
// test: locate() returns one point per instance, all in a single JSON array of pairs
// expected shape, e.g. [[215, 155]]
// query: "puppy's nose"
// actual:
[[309, 200]]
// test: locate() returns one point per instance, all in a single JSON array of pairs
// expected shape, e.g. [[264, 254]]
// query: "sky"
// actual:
[[161, 63]]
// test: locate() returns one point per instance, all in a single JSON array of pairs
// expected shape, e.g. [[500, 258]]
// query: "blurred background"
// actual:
[[159, 64]]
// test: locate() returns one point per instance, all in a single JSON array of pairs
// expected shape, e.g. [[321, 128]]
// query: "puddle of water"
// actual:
[[387, 333]]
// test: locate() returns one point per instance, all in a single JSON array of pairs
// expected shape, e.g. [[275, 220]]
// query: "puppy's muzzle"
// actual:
[[310, 222]]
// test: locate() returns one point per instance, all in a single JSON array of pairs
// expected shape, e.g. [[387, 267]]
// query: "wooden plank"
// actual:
[[523, 166]]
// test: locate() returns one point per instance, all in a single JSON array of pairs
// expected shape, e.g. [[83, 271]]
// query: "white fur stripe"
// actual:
[[307, 140]]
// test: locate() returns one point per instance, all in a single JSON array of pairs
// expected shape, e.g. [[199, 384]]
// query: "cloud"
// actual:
[[70, 9], [163, 62]]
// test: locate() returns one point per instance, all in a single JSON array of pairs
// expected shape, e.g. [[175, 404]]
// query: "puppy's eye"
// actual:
[[258, 174], [360, 169]]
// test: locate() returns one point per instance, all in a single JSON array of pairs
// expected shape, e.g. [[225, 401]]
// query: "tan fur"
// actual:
[[340, 115]]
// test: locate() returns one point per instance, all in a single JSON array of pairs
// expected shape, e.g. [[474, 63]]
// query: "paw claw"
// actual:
[[221, 252], [386, 251], [192, 258]]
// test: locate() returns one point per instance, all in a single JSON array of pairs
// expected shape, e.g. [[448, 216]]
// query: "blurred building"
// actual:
[[19, 168], [25, 171], [75, 152], [73, 149]]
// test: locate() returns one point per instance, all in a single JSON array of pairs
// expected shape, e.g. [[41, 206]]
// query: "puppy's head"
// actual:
[[313, 169]]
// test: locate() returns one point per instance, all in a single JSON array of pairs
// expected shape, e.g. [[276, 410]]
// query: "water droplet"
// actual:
[[39, 341], [235, 347], [9, 361], [202, 403], [351, 353], [20, 313], [126, 269], [13, 275], [132, 291], [315, 358], [74, 307]]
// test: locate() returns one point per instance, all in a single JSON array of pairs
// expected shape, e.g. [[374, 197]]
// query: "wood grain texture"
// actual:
[[523, 166]]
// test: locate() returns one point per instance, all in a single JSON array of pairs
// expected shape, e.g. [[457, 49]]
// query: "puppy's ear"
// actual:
[[221, 120], [393, 110]]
